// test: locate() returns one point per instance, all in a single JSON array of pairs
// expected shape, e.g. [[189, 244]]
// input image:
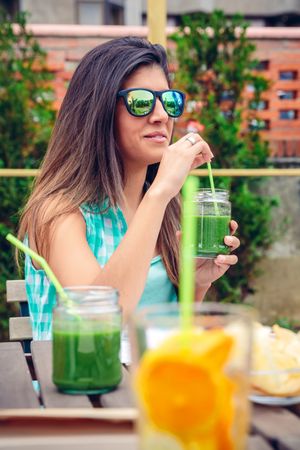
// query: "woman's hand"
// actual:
[[178, 159], [209, 270]]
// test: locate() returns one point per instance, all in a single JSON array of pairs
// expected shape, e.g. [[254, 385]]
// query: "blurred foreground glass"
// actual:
[[192, 387], [86, 340]]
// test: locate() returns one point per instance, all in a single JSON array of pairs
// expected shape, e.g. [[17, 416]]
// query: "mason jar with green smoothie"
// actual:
[[213, 222], [86, 341]]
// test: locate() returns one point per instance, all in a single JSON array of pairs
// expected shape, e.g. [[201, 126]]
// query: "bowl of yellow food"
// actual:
[[275, 374]]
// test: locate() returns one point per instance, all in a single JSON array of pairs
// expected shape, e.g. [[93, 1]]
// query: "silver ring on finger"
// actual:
[[191, 139]]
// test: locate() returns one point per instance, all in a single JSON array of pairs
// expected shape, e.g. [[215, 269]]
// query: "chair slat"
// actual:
[[19, 328], [15, 380], [276, 424], [121, 397], [16, 291]]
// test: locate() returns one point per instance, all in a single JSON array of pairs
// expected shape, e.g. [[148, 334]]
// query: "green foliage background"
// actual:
[[26, 120], [211, 62], [215, 59]]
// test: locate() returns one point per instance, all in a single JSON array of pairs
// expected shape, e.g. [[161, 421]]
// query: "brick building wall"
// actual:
[[278, 50]]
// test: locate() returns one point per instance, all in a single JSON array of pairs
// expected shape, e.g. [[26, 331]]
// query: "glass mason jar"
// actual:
[[213, 223], [86, 340], [192, 383]]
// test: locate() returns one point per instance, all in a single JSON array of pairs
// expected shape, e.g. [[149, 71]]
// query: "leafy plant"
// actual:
[[215, 68], [26, 119], [286, 322]]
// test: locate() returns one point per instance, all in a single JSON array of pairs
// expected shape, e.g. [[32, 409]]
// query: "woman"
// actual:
[[105, 207]]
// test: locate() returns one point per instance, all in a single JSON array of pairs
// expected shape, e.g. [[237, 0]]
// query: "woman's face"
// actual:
[[142, 140]]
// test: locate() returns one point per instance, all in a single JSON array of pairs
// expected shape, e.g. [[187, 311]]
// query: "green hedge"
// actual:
[[209, 66], [26, 119], [215, 67]]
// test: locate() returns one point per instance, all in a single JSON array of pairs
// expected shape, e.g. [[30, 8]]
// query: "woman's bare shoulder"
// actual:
[[69, 222], [58, 220]]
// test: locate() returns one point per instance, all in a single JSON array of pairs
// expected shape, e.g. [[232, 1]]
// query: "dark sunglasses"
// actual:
[[141, 102]]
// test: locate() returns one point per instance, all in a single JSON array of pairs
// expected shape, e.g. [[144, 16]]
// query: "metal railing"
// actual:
[[249, 172], [291, 172]]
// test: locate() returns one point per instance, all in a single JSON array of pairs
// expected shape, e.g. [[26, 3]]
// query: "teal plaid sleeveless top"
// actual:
[[104, 232]]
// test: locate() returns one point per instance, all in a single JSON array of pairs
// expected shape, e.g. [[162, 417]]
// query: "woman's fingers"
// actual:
[[195, 143], [202, 149], [226, 260], [232, 241], [200, 160], [177, 161], [233, 226]]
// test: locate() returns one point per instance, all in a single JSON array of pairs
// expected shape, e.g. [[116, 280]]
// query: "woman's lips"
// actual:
[[157, 138]]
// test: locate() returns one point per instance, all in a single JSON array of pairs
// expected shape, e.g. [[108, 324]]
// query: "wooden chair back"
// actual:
[[19, 327]]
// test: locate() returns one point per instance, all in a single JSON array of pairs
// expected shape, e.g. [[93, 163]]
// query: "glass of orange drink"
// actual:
[[191, 383]]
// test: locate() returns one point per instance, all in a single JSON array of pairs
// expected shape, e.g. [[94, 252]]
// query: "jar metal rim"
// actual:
[[209, 190], [90, 287], [100, 292], [204, 194], [105, 297]]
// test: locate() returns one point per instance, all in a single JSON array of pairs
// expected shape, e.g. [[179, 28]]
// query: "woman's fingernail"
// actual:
[[229, 240], [221, 258]]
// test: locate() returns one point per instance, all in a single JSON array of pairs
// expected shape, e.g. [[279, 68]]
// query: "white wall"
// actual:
[[133, 12], [50, 11]]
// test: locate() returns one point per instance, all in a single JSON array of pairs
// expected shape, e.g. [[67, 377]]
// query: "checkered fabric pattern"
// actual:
[[104, 232]]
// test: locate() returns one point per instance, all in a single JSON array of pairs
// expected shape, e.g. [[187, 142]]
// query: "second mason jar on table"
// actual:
[[213, 213], [86, 340]]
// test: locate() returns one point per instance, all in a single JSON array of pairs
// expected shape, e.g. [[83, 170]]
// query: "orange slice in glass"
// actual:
[[179, 383]]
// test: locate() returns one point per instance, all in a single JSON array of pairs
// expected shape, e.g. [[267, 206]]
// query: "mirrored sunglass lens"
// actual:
[[140, 102], [173, 102]]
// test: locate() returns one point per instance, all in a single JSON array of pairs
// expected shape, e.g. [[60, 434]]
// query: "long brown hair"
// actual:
[[82, 163]]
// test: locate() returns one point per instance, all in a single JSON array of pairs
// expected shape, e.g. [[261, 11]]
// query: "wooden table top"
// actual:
[[49, 420]]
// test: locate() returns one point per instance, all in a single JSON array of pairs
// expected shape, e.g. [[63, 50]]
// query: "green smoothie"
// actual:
[[211, 230], [86, 361]]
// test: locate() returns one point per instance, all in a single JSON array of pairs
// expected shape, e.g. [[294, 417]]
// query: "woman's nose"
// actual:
[[158, 114]]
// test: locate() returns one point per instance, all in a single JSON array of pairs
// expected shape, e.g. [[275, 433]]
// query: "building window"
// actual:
[[287, 95], [288, 114], [262, 65], [90, 12], [10, 6], [259, 124], [288, 75], [259, 106], [227, 114], [227, 95], [114, 14]]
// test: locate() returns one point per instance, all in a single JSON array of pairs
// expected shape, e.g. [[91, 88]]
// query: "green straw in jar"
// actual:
[[212, 187], [43, 263]]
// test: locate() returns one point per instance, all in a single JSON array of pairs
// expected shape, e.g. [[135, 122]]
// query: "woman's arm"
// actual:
[[74, 263], [200, 292]]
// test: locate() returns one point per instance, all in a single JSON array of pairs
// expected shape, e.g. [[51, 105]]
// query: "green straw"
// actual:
[[187, 260], [212, 186], [41, 261]]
